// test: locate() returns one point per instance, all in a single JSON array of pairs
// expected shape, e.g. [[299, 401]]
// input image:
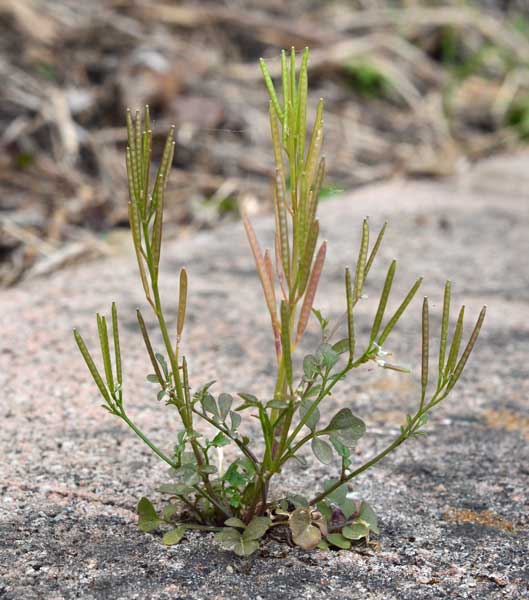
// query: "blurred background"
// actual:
[[412, 88]]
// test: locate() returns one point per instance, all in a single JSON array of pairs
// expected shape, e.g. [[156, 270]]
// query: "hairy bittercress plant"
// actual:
[[237, 503]]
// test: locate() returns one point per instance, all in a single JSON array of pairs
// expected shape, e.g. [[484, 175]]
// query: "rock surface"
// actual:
[[453, 507]]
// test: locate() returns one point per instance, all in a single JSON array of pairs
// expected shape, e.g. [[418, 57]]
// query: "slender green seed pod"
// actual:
[[361, 262], [350, 319], [311, 291], [398, 313], [454, 347], [468, 349], [285, 78], [148, 346], [117, 349], [285, 341], [182, 302], [374, 251], [270, 87], [92, 367], [444, 327], [383, 301], [308, 255], [105, 351], [425, 349]]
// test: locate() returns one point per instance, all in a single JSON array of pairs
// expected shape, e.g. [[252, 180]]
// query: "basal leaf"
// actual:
[[256, 528], [304, 534], [174, 536], [368, 516], [338, 540], [355, 531], [234, 522]]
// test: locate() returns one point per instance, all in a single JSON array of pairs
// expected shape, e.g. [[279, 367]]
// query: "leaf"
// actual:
[[148, 519], [328, 356], [220, 440], [341, 346], [152, 378], [314, 418], [304, 534], [235, 419], [338, 540], [346, 427], [250, 399], [231, 539], [160, 358], [355, 531], [209, 405], [175, 489], [298, 501], [225, 401], [174, 536], [368, 516], [256, 528], [169, 511], [338, 496], [234, 522], [310, 367], [322, 450]]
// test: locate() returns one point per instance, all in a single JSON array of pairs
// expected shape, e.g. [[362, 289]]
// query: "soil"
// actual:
[[453, 506]]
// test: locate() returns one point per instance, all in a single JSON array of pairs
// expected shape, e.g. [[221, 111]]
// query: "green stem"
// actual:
[[146, 440]]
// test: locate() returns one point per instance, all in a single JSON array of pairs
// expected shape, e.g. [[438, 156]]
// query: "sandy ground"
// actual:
[[453, 506]]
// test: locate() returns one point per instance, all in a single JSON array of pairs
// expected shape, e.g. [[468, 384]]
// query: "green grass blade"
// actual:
[[383, 301], [92, 367], [398, 313]]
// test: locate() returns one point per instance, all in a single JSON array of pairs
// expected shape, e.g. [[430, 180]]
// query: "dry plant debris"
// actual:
[[411, 89]]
